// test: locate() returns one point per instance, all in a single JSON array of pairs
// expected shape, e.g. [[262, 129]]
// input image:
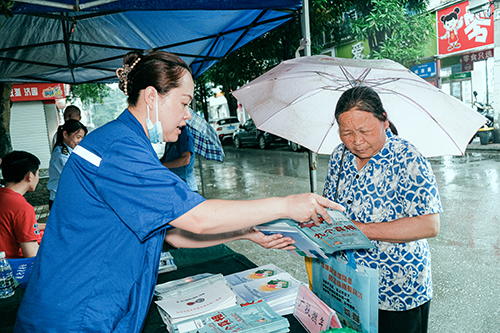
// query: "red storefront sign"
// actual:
[[458, 30], [36, 92], [469, 58]]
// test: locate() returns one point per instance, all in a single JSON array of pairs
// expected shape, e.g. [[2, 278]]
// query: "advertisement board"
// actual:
[[36, 92], [459, 30]]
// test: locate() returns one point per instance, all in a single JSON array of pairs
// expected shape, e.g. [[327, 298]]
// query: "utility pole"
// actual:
[[305, 44], [496, 121]]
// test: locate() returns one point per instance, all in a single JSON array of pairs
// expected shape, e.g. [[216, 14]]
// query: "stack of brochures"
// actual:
[[268, 283], [319, 241], [188, 298], [254, 318], [166, 263]]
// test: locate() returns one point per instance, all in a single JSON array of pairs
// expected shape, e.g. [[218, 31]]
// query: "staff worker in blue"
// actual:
[[179, 158], [68, 136], [97, 265]]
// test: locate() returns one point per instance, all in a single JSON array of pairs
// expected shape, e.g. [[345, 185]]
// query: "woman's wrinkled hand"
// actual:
[[276, 241]]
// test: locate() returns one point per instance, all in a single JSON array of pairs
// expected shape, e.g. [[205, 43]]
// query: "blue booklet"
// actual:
[[319, 241]]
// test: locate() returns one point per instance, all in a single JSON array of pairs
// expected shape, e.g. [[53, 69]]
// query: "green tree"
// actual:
[[111, 107], [202, 92], [5, 8], [5, 145], [254, 59], [89, 93], [394, 29]]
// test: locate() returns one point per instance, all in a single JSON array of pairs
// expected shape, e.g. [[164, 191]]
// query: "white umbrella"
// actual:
[[296, 100]]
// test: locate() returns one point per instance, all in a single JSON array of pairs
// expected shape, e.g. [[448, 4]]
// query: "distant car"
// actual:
[[225, 127], [248, 134], [295, 146]]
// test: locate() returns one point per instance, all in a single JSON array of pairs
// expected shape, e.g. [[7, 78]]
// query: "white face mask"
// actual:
[[155, 131]]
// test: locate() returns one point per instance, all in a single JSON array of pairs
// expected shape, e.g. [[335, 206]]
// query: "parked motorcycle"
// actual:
[[485, 133]]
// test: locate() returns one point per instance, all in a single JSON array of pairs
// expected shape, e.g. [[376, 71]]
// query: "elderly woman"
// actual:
[[98, 263], [390, 192]]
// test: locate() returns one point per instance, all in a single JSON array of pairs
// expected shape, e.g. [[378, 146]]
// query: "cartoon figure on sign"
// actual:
[[452, 23]]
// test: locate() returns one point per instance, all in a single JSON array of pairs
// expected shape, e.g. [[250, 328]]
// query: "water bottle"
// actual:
[[6, 278]]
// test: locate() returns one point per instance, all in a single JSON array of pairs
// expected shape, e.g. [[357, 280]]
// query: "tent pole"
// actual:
[[201, 175], [306, 44]]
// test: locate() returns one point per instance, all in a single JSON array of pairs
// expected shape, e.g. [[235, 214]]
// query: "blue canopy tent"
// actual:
[[72, 41], [82, 41]]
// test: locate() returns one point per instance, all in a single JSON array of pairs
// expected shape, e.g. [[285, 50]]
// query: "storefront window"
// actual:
[[466, 92], [456, 90]]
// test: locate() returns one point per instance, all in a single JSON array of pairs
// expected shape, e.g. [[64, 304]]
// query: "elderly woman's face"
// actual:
[[362, 133]]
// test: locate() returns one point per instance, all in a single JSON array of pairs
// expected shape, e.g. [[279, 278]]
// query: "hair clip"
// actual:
[[122, 74]]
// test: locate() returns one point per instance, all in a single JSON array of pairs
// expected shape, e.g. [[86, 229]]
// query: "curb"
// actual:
[[493, 147]]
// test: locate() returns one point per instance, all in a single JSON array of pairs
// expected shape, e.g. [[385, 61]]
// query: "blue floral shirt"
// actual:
[[397, 182]]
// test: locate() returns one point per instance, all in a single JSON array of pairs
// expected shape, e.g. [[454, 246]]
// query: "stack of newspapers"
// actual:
[[267, 283], [205, 303], [255, 318], [188, 298]]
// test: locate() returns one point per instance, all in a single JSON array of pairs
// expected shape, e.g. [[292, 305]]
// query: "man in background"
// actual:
[[19, 231], [71, 112], [179, 158]]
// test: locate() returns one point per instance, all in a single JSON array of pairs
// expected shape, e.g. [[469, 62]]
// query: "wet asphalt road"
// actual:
[[465, 255]]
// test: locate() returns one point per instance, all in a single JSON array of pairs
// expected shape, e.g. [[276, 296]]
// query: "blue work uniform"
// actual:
[[58, 160], [98, 262], [174, 150]]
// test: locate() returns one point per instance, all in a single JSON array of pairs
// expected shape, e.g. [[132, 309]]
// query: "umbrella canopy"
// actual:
[[80, 41], [296, 100], [206, 141]]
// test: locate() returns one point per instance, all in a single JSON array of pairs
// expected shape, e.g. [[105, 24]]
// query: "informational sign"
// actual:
[[425, 70], [455, 77], [36, 92], [469, 58], [314, 315], [459, 30]]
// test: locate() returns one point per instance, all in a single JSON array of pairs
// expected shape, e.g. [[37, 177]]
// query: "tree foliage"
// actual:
[[395, 29], [5, 144], [6, 8], [89, 93], [111, 107], [254, 59]]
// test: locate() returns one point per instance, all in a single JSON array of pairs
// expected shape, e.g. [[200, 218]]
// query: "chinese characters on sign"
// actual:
[[425, 70], [469, 58], [313, 313], [459, 30], [357, 51], [342, 282], [36, 92]]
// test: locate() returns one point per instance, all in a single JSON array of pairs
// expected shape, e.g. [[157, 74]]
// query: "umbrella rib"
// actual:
[[325, 136], [426, 112], [347, 75]]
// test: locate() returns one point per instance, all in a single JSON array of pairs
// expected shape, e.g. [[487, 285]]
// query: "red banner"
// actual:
[[36, 92], [459, 30]]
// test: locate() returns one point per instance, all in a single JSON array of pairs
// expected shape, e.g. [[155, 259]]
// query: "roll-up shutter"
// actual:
[[28, 130]]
